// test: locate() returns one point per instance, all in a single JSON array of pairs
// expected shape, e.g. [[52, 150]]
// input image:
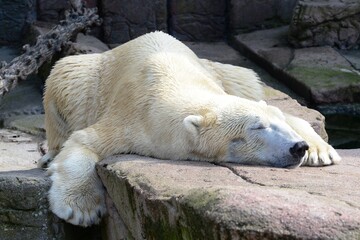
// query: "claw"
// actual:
[[98, 213], [81, 220]]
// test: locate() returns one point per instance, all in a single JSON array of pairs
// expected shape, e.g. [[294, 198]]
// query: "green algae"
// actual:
[[324, 78]]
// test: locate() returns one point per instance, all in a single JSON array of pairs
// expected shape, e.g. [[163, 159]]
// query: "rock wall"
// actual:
[[201, 20], [197, 20], [24, 210], [15, 15], [125, 20], [333, 23], [313, 23], [248, 15]]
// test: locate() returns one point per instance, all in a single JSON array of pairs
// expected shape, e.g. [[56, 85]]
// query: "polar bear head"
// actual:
[[247, 132]]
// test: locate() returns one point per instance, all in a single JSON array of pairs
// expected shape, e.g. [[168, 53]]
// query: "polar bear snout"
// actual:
[[299, 149]]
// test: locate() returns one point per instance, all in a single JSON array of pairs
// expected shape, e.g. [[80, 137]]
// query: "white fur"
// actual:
[[153, 96]]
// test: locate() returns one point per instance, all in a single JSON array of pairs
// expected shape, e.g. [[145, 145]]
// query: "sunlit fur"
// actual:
[[153, 96]]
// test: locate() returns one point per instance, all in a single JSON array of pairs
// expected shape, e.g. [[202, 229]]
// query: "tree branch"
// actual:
[[46, 46]]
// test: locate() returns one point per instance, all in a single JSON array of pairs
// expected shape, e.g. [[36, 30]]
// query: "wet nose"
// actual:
[[298, 150]]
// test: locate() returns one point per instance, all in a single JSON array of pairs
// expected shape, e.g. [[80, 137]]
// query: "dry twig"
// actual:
[[46, 46]]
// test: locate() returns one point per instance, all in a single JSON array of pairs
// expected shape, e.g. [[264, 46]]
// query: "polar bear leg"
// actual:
[[57, 132], [235, 80], [76, 194], [320, 153]]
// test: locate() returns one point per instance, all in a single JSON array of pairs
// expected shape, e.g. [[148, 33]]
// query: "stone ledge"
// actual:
[[23, 206], [313, 73], [160, 199]]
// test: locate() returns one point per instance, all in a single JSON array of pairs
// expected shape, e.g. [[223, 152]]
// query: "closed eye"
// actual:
[[260, 127]]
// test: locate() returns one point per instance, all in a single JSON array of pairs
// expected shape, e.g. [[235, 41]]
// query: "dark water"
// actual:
[[343, 131], [343, 125]]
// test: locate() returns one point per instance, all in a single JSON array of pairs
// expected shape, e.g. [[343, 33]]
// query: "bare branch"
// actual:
[[46, 46]]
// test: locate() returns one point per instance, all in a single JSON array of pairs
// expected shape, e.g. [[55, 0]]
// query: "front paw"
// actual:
[[321, 153], [77, 201]]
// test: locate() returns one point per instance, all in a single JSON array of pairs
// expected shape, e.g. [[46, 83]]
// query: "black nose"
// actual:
[[298, 150]]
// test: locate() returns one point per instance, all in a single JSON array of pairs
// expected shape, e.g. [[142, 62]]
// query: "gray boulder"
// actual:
[[333, 23]]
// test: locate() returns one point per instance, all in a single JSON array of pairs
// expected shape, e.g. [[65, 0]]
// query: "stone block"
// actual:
[[332, 23], [125, 20], [23, 207], [15, 17], [162, 199], [319, 74], [200, 20], [247, 15]]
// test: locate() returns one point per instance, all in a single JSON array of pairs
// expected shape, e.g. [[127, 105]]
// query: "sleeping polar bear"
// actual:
[[153, 96]]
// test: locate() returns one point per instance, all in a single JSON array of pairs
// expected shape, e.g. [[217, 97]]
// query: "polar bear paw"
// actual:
[[79, 203], [78, 208], [321, 154]]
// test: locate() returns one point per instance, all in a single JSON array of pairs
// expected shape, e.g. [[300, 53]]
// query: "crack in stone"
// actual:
[[243, 177], [343, 201], [351, 205], [350, 62]]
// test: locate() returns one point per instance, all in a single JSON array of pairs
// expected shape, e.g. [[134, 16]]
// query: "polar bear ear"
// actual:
[[192, 123], [262, 102]]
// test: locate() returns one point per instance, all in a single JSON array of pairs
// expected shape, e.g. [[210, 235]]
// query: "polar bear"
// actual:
[[153, 96]]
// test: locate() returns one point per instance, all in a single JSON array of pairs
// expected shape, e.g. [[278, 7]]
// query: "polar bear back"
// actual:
[[154, 77]]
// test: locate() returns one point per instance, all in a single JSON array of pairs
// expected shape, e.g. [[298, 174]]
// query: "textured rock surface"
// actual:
[[25, 99], [247, 15], [201, 20], [333, 23], [13, 27], [125, 20], [159, 199], [320, 74], [23, 206], [353, 56], [18, 151], [24, 210]]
